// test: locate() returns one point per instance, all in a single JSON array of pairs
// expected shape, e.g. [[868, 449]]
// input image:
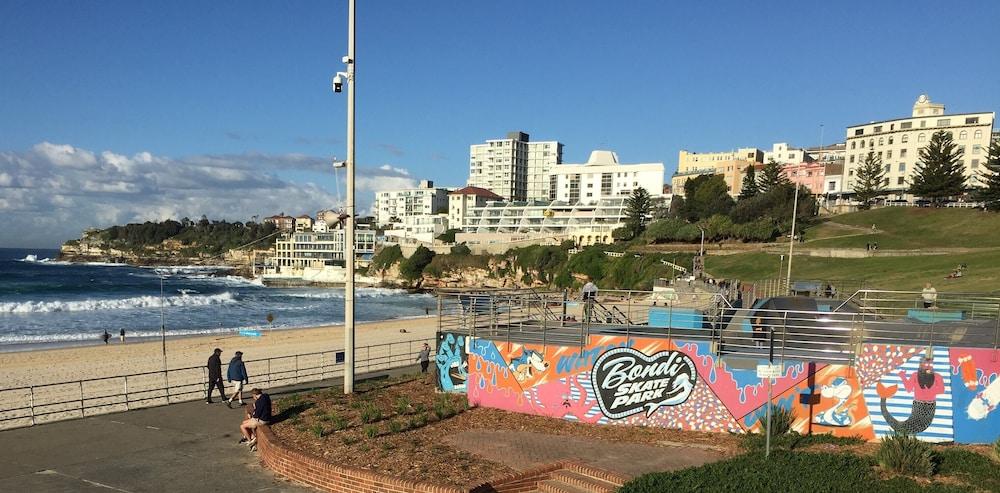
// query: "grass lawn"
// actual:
[[909, 228], [958, 470], [896, 273]]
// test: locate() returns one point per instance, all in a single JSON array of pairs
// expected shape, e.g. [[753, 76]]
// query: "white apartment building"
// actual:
[[782, 153], [513, 167], [420, 201], [417, 229], [898, 142], [602, 177], [520, 223], [303, 249]]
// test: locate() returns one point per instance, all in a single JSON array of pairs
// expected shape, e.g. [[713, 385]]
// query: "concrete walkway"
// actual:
[[182, 447]]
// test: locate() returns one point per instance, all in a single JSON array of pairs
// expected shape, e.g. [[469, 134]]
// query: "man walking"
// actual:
[[424, 358], [122, 335], [106, 336], [261, 415], [237, 373], [215, 375]]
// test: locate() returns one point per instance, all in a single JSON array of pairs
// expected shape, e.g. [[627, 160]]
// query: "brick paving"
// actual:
[[522, 450]]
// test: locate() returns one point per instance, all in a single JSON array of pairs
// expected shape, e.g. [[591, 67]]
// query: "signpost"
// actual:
[[769, 371]]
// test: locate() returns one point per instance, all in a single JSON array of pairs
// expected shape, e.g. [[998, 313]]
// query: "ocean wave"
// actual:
[[188, 269], [92, 336], [115, 304], [33, 259]]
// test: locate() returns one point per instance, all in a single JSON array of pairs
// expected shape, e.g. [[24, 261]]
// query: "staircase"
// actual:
[[579, 478]]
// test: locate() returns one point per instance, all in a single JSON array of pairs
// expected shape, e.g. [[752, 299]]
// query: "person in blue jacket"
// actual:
[[237, 373]]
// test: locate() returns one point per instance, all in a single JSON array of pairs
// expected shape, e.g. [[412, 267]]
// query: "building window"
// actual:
[[978, 134], [902, 167], [888, 154], [859, 131], [888, 168], [921, 138], [902, 153], [850, 172], [885, 182], [878, 129], [900, 181], [880, 154], [972, 120], [905, 125], [923, 123], [963, 135], [881, 141], [862, 143], [853, 144], [871, 142], [904, 139], [975, 164], [852, 158], [890, 140], [944, 122], [976, 148], [831, 186]]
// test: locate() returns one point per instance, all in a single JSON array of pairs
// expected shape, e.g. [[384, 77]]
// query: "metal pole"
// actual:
[[770, 388], [791, 240], [349, 229], [126, 393], [31, 403], [163, 343]]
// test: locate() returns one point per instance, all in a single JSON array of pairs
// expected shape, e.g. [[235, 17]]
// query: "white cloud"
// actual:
[[52, 192]]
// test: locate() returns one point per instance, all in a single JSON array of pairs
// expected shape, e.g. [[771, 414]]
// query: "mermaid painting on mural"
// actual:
[[925, 385]]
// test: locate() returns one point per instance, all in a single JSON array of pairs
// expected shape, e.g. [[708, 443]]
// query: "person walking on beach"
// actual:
[[424, 358], [106, 336], [237, 373], [929, 296], [261, 415], [215, 375], [122, 335]]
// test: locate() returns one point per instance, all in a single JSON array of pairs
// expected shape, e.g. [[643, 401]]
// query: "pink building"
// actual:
[[811, 175]]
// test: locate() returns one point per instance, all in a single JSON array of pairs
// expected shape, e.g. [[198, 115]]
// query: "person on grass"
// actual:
[[237, 373]]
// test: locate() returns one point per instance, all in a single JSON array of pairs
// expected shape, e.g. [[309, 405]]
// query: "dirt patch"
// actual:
[[400, 428]]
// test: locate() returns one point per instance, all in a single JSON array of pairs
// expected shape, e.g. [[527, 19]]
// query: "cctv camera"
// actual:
[[338, 83], [339, 164], [346, 59]]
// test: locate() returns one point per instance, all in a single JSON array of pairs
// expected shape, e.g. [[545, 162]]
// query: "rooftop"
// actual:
[[481, 192]]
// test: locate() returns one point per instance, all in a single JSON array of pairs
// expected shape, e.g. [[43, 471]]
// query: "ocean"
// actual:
[[46, 303]]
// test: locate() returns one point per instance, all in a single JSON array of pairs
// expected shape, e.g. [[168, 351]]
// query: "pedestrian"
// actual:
[[759, 332], [237, 373], [589, 291], [121, 335], [261, 415], [424, 358], [215, 375], [106, 336], [929, 296]]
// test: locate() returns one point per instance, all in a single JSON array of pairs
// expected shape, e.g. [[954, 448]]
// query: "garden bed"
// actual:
[[399, 428]]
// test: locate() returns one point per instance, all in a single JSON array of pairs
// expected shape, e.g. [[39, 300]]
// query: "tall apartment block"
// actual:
[[898, 142], [514, 167]]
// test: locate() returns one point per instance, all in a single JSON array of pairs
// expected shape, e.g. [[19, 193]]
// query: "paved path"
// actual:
[[522, 450], [181, 447]]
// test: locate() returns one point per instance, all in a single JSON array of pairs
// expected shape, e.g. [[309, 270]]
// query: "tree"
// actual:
[[871, 180], [637, 209], [940, 172], [990, 193], [750, 187], [771, 177], [707, 195], [413, 267], [448, 236], [461, 249]]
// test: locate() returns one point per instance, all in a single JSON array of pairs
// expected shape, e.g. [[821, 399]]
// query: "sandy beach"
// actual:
[[48, 366]]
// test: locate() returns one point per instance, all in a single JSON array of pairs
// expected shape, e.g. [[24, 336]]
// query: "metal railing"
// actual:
[[815, 329], [35, 404]]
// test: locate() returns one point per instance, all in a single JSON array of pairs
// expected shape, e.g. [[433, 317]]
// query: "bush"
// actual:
[[461, 249], [905, 454], [385, 258], [448, 236], [371, 431], [337, 421], [394, 426], [781, 420], [402, 404], [317, 430], [413, 267]]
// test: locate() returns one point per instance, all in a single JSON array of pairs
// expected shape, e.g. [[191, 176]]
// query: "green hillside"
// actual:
[[901, 228]]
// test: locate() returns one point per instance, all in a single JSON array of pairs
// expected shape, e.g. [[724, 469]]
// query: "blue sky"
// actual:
[[246, 84]]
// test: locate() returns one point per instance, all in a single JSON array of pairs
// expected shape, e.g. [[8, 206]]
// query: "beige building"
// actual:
[[782, 153], [464, 199], [514, 167], [602, 177], [303, 223], [731, 165], [898, 143]]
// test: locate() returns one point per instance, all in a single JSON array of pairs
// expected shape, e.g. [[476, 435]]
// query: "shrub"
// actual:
[[370, 414], [317, 430], [781, 420], [385, 258], [905, 454], [402, 404], [461, 249], [417, 421], [337, 421], [394, 426], [371, 431], [413, 267]]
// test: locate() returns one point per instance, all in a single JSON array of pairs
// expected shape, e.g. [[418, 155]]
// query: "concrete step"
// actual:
[[584, 481]]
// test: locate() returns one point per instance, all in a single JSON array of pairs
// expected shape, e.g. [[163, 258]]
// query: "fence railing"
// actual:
[[35, 404], [815, 329]]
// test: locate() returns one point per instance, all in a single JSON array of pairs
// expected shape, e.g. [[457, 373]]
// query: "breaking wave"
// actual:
[[115, 304]]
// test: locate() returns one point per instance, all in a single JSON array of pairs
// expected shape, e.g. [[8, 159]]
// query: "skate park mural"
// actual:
[[452, 361], [939, 394]]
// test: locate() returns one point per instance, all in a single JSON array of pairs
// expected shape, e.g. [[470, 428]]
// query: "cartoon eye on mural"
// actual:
[[627, 381], [524, 366], [839, 414], [452, 361], [925, 385]]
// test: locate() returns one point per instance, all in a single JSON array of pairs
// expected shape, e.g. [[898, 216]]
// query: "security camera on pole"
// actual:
[[339, 80]]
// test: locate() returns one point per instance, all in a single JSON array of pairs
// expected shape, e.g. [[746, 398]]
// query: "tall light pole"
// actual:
[[791, 240], [349, 225], [163, 341]]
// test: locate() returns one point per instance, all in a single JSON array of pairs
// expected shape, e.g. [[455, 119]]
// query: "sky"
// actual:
[[123, 111]]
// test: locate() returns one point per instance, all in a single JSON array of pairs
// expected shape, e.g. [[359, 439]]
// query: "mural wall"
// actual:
[[941, 395], [452, 362]]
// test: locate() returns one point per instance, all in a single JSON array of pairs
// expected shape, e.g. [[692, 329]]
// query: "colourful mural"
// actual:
[[452, 360], [681, 384]]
